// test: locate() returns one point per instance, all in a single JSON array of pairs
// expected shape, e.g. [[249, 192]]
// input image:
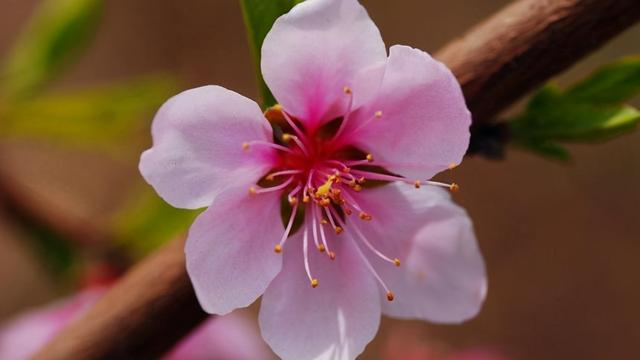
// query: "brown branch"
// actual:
[[497, 62], [522, 46], [141, 317]]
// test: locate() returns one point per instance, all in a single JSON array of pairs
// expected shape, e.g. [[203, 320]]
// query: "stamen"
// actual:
[[384, 177], [246, 146], [363, 215], [337, 229], [271, 176], [305, 250], [315, 229], [347, 90], [293, 125], [254, 191], [288, 137], [294, 200], [308, 188], [453, 187], [324, 244], [373, 271], [368, 159], [287, 230], [370, 246], [345, 168], [376, 115], [453, 166]]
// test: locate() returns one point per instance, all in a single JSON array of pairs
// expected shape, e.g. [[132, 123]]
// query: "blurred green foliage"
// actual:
[[109, 119], [102, 118], [259, 16], [592, 110], [148, 221], [57, 32]]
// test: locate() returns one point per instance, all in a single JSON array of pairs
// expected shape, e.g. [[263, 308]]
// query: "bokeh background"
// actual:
[[561, 241]]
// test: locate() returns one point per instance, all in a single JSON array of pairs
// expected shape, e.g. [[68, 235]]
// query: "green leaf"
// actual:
[[613, 83], [573, 121], [57, 31], [148, 222], [259, 16], [591, 110], [103, 118], [546, 148]]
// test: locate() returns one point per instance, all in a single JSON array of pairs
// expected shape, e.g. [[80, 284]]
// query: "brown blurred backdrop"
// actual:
[[561, 241]]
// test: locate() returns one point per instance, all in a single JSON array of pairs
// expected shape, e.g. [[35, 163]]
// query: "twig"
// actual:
[[497, 62]]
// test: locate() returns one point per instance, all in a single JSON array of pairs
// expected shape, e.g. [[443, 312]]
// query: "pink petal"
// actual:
[[226, 337], [424, 126], [442, 277], [229, 251], [197, 146], [314, 51], [336, 320]]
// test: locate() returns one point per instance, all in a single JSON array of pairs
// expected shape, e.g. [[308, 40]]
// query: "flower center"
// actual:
[[319, 172]]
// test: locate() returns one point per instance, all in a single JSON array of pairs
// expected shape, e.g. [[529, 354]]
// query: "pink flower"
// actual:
[[229, 337], [332, 188]]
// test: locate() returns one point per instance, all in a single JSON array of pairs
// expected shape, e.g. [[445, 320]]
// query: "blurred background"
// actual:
[[560, 240]]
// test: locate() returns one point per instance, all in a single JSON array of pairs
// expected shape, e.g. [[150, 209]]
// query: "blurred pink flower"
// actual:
[[229, 337], [350, 116], [410, 345]]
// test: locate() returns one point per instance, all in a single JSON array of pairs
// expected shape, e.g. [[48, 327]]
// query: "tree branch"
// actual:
[[141, 317], [497, 62], [526, 43]]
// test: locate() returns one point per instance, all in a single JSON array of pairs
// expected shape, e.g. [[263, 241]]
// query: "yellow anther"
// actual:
[[361, 180], [306, 199], [347, 90], [378, 114], [396, 262], [364, 216], [321, 248], [314, 283], [252, 191], [417, 184], [286, 137], [453, 166], [274, 113], [332, 255], [245, 146], [390, 296], [369, 158], [324, 202], [339, 229], [269, 177], [357, 188], [454, 187], [278, 248], [324, 221], [293, 201]]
